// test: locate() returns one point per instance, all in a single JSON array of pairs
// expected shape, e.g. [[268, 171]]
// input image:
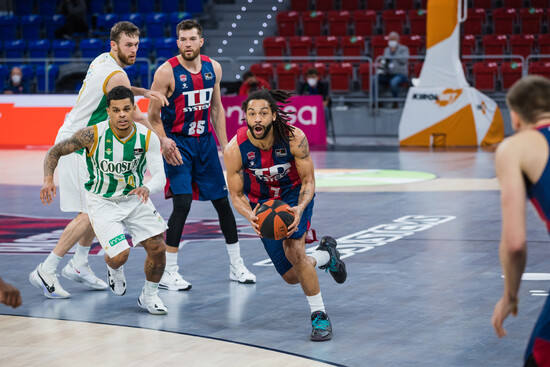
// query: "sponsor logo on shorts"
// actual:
[[114, 241]]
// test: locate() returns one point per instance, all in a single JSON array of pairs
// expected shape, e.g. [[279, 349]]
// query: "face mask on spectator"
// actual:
[[16, 79], [312, 82], [392, 44]]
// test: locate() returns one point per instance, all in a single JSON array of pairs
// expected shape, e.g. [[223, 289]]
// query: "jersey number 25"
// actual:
[[196, 127]]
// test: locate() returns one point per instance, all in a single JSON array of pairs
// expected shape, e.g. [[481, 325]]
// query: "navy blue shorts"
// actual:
[[539, 345], [201, 173], [275, 249]]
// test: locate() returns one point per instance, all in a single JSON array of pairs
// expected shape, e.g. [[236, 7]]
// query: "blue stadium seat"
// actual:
[[91, 47], [53, 71], [143, 70], [8, 27], [169, 6], [144, 47], [193, 6], [155, 24], [145, 6], [39, 48], [106, 21], [166, 47], [28, 75], [24, 7], [31, 27], [175, 18], [4, 71], [135, 18], [46, 7], [122, 6], [97, 6], [52, 23], [132, 72], [15, 48], [63, 48]]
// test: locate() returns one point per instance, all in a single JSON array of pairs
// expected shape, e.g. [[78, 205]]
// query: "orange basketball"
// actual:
[[274, 217]]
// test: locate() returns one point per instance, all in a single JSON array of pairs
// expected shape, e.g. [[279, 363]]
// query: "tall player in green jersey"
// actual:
[[118, 151], [104, 73]]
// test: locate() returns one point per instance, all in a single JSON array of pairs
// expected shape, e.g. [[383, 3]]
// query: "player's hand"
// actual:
[[142, 192], [170, 151], [9, 295], [503, 308], [293, 227], [253, 219], [160, 97], [47, 192]]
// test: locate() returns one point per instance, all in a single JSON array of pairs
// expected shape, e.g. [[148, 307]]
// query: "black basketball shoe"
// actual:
[[335, 266], [321, 329]]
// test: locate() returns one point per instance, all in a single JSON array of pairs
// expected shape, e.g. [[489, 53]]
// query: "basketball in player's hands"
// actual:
[[274, 217]]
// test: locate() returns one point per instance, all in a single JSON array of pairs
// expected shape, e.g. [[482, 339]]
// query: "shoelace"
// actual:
[[319, 323]]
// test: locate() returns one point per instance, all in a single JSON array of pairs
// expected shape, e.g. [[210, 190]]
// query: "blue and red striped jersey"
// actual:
[[539, 193], [268, 174], [188, 112]]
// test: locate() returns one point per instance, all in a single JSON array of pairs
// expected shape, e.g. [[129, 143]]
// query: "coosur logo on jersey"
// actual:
[[197, 100]]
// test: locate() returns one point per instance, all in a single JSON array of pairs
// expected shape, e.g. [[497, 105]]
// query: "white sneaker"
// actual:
[[239, 273], [83, 274], [48, 283], [153, 304], [117, 280], [173, 281]]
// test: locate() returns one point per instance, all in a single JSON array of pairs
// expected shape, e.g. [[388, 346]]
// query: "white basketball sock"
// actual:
[[316, 303], [171, 261], [150, 288], [234, 252], [80, 256], [321, 257], [51, 263]]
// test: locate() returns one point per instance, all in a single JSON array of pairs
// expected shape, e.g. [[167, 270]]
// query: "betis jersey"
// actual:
[[91, 103], [116, 166]]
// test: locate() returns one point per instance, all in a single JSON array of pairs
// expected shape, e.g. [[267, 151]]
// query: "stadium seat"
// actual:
[[417, 21], [522, 44], [23, 7], [144, 74], [63, 48], [146, 6], [169, 6], [98, 6], [321, 68], [106, 21], [414, 42], [485, 4], [540, 68], [287, 23], [504, 20], [122, 6], [375, 5], [299, 5], [531, 20], [513, 4], [4, 72], [340, 76], [415, 67], [155, 24], [274, 46], [338, 22], [353, 46], [144, 49], [46, 7], [540, 4], [511, 72], [378, 44], [28, 74], [31, 27], [494, 44], [475, 21], [51, 23], [263, 70], [300, 46], [324, 5], [544, 43], [175, 18], [39, 48], [394, 20], [166, 47], [133, 73], [15, 48], [326, 46], [53, 72], [287, 75], [90, 46], [364, 76], [313, 23], [8, 27], [485, 75], [365, 21], [404, 4], [135, 18], [468, 44], [350, 4]]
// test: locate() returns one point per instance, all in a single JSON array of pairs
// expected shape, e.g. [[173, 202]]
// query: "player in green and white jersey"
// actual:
[[118, 151], [104, 73]]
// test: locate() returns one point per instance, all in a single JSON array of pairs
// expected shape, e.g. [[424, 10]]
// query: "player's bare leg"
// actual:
[[154, 268]]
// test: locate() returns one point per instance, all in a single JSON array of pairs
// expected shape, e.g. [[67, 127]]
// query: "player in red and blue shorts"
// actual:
[[523, 171], [269, 159], [192, 84]]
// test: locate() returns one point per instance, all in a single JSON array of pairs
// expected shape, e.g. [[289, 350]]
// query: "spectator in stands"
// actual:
[[75, 18], [252, 83], [314, 86], [393, 68], [15, 84]]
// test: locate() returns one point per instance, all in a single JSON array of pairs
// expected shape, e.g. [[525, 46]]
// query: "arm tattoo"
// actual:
[[304, 148], [82, 139]]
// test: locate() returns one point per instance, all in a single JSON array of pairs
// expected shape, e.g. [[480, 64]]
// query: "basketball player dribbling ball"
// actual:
[[191, 82], [104, 73], [523, 171], [269, 159]]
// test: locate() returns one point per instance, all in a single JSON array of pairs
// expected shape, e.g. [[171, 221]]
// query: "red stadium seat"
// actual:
[[364, 76], [414, 42], [324, 5], [338, 22], [326, 46], [287, 23], [511, 71], [299, 5], [321, 68], [540, 68], [485, 4], [340, 76], [313, 23], [494, 44], [540, 4], [350, 4], [365, 20], [404, 4], [375, 4], [300, 46], [522, 44], [415, 68], [394, 20], [504, 20], [417, 20], [531, 19], [353, 46], [263, 70], [378, 44], [485, 75], [287, 75], [513, 4], [468, 44], [475, 21], [544, 43], [274, 46]]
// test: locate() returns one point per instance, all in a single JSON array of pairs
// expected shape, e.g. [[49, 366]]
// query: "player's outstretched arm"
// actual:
[[218, 113], [513, 247], [299, 147], [9, 295], [155, 167], [235, 184], [85, 138]]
